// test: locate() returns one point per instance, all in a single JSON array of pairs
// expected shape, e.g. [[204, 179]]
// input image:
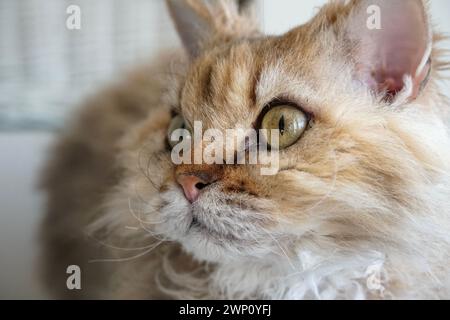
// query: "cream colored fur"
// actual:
[[359, 210]]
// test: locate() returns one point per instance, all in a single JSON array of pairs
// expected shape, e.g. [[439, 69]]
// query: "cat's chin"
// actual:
[[206, 244], [206, 238], [205, 247]]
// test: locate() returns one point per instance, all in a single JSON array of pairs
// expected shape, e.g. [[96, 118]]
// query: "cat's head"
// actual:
[[353, 93]]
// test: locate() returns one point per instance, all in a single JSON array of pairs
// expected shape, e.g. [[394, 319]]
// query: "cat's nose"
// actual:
[[193, 184]]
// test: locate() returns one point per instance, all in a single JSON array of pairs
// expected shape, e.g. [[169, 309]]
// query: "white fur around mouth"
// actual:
[[202, 228]]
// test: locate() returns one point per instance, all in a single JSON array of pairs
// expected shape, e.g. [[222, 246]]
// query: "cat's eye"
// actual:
[[290, 122], [176, 123]]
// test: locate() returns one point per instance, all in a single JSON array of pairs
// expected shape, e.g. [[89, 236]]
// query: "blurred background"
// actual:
[[46, 69]]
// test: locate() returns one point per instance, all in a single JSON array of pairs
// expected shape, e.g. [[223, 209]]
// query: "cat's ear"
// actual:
[[392, 46], [198, 21], [193, 22]]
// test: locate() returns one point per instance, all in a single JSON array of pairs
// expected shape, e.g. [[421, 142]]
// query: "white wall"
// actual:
[[22, 156]]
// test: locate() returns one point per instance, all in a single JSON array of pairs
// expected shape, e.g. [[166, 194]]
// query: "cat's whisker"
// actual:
[[103, 243], [138, 218], [145, 213], [155, 159], [151, 248], [264, 246], [281, 248], [142, 224], [332, 187], [150, 232], [146, 173]]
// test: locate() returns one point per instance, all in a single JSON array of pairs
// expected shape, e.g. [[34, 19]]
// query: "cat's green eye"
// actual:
[[290, 122], [176, 123]]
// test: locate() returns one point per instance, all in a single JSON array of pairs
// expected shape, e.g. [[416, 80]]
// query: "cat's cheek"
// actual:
[[175, 216]]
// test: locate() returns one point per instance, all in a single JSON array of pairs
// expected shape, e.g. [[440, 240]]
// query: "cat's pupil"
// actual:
[[281, 125]]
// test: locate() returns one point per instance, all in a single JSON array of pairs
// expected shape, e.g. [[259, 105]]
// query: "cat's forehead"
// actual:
[[229, 86], [222, 82]]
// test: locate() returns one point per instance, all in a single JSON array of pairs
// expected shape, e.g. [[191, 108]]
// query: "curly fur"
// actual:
[[366, 188]]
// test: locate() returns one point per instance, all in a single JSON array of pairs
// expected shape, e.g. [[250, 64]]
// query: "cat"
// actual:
[[360, 205]]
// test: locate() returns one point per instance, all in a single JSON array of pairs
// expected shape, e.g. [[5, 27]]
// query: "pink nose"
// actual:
[[192, 186]]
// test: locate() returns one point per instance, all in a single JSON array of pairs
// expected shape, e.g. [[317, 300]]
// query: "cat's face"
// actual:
[[343, 179]]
